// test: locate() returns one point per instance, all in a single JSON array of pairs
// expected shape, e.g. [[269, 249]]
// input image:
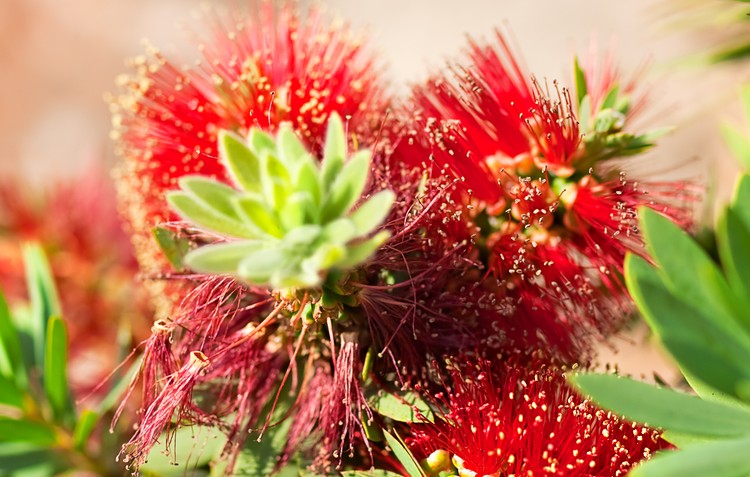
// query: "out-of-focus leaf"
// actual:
[[10, 395], [403, 455], [726, 458], [56, 371], [580, 78], [11, 358], [659, 407], [402, 407], [194, 447], [84, 427], [19, 458], [174, 247], [703, 286], [21, 430], [683, 329], [369, 473], [738, 143], [43, 295], [261, 458]]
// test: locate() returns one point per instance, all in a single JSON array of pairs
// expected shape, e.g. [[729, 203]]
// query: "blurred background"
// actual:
[[58, 58]]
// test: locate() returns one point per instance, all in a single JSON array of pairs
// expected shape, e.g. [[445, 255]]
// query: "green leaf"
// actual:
[[296, 211], [403, 455], [308, 181], [212, 193], [259, 266], [194, 447], [738, 144], [664, 408], [291, 150], [741, 198], [17, 458], [683, 329], [10, 395], [580, 78], [611, 98], [683, 440], [360, 252], [261, 458], [254, 210], [584, 115], [369, 473], [709, 459], [21, 430], [261, 142], [402, 407], [745, 94], [733, 240], [43, 294], [371, 214], [85, 425], [56, 371], [704, 287], [11, 357], [334, 152], [199, 213], [172, 246], [348, 186], [243, 164], [222, 257]]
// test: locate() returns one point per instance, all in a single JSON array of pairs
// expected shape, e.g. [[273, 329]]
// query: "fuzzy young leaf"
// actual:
[[213, 194], [243, 164], [360, 252], [334, 152], [664, 408], [198, 212], [222, 257], [373, 212], [348, 186], [291, 150], [255, 211]]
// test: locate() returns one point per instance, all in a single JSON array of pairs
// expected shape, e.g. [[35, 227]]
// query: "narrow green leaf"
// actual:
[[334, 152], [369, 473], [222, 257], [261, 458], [114, 396], [43, 294], [199, 213], [704, 286], [403, 455], [308, 181], [373, 212], [254, 210], [85, 425], [741, 198], [684, 329], [348, 186], [212, 193], [584, 115], [580, 79], [11, 358], [733, 240], [291, 150], [172, 246], [745, 94], [243, 164], [709, 459], [356, 254], [21, 430], [664, 408], [10, 395], [402, 407], [18, 458], [194, 447], [611, 98], [56, 371], [738, 144]]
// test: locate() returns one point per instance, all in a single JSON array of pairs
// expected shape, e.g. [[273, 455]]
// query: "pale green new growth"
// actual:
[[292, 219]]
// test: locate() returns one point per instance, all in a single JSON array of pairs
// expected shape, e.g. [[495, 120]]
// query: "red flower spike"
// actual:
[[530, 422], [259, 68]]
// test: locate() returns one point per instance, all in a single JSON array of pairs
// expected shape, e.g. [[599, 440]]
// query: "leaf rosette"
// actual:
[[291, 219]]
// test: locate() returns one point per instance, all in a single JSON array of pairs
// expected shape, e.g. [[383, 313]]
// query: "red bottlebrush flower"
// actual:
[[530, 422], [549, 221], [259, 68]]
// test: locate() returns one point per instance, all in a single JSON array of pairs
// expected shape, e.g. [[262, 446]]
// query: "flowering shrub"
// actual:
[[345, 291]]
